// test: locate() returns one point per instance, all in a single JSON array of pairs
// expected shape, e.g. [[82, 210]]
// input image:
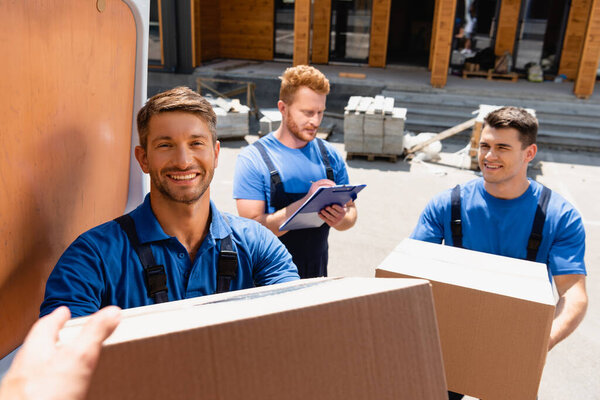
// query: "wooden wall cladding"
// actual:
[[208, 27], [433, 33], [442, 41], [68, 76], [380, 24], [507, 26], [574, 37], [301, 32], [321, 28], [586, 72], [246, 29]]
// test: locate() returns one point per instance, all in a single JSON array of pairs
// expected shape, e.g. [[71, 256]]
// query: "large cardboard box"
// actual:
[[346, 338], [494, 315]]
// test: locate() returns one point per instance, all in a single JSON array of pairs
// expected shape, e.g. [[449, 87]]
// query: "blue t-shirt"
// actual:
[[297, 168], [502, 227], [101, 268]]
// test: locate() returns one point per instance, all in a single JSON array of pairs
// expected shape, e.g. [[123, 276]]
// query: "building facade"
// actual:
[[561, 36]]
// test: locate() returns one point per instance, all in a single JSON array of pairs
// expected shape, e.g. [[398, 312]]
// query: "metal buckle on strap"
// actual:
[[456, 227], [276, 179], [156, 279], [228, 263]]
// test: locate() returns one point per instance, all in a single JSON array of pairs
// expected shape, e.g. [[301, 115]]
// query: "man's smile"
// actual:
[[182, 177]]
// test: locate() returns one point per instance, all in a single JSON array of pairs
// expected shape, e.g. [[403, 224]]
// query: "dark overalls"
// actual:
[[308, 247]]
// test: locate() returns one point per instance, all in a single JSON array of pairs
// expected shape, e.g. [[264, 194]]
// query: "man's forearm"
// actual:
[[570, 310], [273, 221]]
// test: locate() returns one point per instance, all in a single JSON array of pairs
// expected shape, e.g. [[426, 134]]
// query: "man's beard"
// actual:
[[188, 197], [295, 129]]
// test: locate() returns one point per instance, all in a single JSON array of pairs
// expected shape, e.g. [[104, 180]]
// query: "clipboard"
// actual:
[[307, 216]]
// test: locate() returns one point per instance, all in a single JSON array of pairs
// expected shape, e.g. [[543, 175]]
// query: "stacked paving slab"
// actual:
[[232, 117], [270, 120], [374, 126]]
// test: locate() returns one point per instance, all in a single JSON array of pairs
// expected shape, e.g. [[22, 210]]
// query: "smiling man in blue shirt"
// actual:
[[506, 213], [176, 244]]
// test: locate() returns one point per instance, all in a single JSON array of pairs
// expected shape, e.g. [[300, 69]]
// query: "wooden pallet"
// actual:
[[491, 75], [372, 156]]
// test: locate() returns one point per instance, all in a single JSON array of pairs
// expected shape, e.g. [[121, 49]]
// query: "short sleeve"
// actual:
[[566, 255], [272, 261], [339, 166], [248, 179], [430, 226], [76, 281]]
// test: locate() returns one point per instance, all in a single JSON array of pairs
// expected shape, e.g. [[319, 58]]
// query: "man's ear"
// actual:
[[142, 158], [217, 151], [530, 152], [281, 106]]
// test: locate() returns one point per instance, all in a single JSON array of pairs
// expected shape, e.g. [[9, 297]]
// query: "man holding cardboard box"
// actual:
[[176, 244], [507, 214], [276, 175]]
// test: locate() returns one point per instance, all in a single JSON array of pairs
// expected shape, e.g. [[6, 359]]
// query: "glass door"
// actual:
[[350, 28], [284, 29]]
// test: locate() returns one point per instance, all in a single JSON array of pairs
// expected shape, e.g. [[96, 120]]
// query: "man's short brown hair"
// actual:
[[302, 75], [182, 99], [516, 118]]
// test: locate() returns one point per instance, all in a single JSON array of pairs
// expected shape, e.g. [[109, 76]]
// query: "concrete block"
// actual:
[[373, 125]]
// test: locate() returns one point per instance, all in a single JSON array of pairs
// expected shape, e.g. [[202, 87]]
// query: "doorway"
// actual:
[[409, 36]]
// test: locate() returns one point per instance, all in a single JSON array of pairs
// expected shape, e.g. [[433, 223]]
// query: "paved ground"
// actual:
[[389, 208]]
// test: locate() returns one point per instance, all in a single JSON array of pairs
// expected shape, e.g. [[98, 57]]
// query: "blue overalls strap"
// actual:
[[535, 238], [228, 263], [325, 157], [455, 217], [274, 174], [154, 275]]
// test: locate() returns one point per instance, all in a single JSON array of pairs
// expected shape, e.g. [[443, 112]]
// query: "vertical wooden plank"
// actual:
[[433, 32], [209, 27], [196, 36], [160, 30], [507, 26], [443, 43], [586, 71], [301, 32], [380, 24], [574, 36], [321, 28]]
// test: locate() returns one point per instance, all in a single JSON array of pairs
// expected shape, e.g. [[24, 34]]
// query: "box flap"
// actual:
[[476, 270]]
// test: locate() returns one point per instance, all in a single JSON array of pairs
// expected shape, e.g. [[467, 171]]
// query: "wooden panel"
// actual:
[[209, 29], [586, 72], [507, 26], [574, 36], [251, 23], [301, 32], [68, 72], [433, 32], [380, 23], [442, 42], [196, 33], [321, 28]]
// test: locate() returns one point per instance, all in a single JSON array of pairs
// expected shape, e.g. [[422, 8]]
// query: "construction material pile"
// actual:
[[270, 121], [232, 117], [374, 126]]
